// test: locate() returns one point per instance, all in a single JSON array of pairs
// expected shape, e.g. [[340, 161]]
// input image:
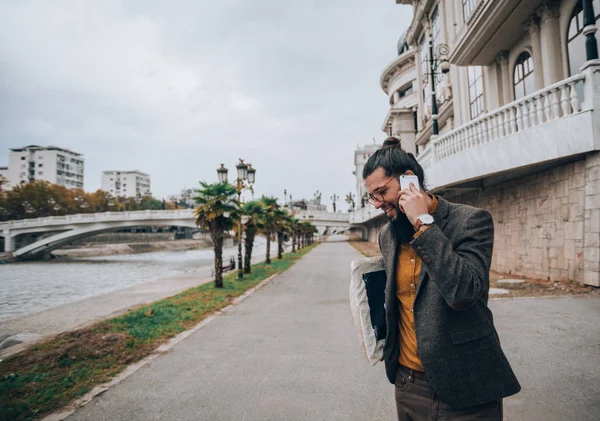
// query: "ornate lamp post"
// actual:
[[334, 198], [245, 172], [350, 201], [437, 65]]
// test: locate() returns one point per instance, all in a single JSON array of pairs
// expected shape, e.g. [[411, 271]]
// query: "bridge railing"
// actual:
[[323, 216], [99, 217]]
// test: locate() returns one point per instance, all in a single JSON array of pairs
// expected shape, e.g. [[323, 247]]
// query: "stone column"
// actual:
[[505, 85], [9, 242], [533, 27], [552, 61], [492, 93]]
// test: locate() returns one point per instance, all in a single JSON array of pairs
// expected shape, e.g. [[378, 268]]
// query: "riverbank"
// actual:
[[80, 292], [99, 250], [53, 373]]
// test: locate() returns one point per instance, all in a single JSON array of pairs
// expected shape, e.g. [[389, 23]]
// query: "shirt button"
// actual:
[[412, 286], [412, 310], [412, 260]]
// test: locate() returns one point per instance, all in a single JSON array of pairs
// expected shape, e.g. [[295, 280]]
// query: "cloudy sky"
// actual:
[[174, 88]]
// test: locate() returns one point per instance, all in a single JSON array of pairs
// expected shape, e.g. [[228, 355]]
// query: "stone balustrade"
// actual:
[[552, 103], [552, 123]]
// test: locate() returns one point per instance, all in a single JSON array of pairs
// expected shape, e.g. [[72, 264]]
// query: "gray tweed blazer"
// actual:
[[456, 338]]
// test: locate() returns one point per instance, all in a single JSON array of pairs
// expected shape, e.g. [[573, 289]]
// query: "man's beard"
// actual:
[[402, 229]]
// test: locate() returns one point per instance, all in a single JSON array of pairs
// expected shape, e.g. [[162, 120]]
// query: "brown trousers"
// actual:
[[416, 401]]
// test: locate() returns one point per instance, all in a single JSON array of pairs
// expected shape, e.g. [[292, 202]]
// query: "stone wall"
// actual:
[[547, 225], [373, 226]]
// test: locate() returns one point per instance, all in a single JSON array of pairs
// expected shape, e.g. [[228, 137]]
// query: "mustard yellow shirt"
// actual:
[[407, 277]]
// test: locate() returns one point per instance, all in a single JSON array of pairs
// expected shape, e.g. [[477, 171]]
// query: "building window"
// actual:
[[22, 158], [468, 7], [41, 173], [40, 165], [475, 91], [576, 39], [406, 91], [523, 77]]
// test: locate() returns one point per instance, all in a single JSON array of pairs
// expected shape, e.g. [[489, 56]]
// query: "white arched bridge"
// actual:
[[33, 238]]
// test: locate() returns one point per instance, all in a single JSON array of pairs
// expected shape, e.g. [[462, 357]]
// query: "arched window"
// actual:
[[523, 78], [576, 39]]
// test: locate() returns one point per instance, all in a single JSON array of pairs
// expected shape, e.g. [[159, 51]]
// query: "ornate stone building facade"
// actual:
[[514, 128]]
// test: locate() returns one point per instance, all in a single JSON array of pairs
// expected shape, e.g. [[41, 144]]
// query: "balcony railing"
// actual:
[[549, 124], [557, 101]]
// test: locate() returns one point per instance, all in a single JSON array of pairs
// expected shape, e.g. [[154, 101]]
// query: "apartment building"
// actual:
[[126, 183], [47, 163]]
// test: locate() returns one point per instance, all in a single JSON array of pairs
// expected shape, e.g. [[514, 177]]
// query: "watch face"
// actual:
[[426, 219]]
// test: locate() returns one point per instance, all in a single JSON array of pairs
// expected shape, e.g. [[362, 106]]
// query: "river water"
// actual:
[[30, 287]]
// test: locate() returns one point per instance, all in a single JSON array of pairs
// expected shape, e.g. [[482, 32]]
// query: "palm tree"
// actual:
[[294, 226], [282, 227], [217, 210], [254, 212], [270, 221], [307, 230], [312, 231]]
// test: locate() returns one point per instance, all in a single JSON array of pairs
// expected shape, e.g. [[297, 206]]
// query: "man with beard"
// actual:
[[442, 351]]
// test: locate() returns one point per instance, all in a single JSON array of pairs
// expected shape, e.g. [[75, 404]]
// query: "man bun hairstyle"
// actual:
[[394, 160], [391, 142]]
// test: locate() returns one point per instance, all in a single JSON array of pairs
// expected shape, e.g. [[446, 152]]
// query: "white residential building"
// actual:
[[4, 178], [55, 165], [126, 183]]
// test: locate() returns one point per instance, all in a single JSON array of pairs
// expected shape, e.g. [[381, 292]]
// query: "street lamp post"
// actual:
[[435, 66], [334, 198], [350, 200], [245, 172]]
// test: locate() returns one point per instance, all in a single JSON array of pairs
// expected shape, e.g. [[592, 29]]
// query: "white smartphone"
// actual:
[[405, 181]]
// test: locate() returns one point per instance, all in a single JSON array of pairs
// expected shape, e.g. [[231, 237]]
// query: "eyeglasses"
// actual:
[[377, 195]]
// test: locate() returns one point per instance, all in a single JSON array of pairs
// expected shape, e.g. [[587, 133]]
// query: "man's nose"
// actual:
[[377, 203]]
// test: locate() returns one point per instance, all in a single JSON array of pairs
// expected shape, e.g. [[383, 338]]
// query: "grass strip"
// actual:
[[51, 374]]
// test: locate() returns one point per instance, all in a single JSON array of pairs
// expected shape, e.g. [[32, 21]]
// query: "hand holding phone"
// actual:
[[405, 181]]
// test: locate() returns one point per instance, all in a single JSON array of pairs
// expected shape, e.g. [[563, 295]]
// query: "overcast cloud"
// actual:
[[176, 88]]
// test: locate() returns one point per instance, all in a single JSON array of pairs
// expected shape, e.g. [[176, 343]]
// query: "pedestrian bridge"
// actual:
[[33, 238]]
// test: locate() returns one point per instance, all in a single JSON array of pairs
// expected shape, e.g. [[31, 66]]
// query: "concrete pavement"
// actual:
[[289, 352], [553, 345]]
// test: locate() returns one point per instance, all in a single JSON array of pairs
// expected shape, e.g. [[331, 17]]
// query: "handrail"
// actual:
[[551, 103]]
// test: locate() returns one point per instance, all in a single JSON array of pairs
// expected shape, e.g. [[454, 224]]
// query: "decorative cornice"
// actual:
[[502, 58], [402, 64], [418, 21], [549, 10], [532, 25]]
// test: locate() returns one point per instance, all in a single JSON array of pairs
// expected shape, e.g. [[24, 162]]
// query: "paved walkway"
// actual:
[[289, 352]]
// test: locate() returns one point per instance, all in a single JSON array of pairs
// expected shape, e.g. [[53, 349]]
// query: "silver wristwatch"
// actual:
[[424, 219]]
